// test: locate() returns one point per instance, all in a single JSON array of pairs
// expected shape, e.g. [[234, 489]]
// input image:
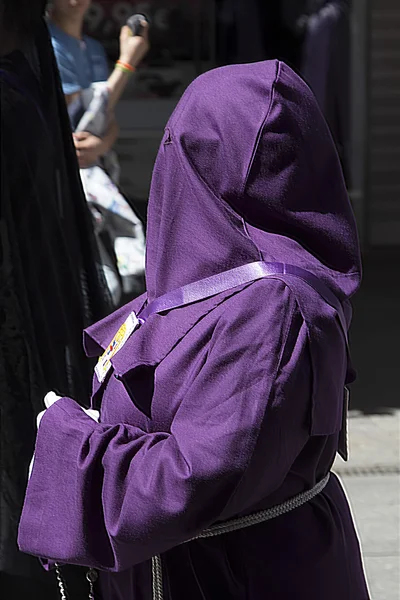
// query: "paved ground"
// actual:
[[372, 481], [371, 477]]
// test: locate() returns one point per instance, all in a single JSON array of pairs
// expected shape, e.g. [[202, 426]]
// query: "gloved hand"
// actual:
[[50, 399]]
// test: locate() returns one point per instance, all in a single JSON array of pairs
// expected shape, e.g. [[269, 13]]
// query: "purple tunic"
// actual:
[[234, 403]]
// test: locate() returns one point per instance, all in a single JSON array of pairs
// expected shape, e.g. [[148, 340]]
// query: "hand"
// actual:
[[50, 399], [89, 148], [133, 48]]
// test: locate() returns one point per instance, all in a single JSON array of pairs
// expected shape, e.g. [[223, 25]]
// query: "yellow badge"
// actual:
[[121, 337]]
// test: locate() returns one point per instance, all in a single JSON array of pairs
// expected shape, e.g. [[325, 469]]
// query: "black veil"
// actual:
[[51, 282]]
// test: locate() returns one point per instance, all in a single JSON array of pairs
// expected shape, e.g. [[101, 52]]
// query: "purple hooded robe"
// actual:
[[234, 403]]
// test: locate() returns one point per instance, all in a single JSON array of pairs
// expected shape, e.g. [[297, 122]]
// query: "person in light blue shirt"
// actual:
[[82, 62]]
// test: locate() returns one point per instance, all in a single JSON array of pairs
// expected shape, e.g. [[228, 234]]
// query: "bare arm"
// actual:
[[117, 83], [132, 51], [90, 147]]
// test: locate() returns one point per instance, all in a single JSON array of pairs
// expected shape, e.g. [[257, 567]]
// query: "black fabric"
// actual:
[[51, 283], [257, 30], [326, 68], [281, 37]]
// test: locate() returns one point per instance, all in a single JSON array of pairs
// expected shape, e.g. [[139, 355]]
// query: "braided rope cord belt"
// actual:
[[220, 529], [236, 524]]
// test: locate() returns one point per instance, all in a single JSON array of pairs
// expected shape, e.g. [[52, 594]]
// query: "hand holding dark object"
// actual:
[[134, 46], [135, 23]]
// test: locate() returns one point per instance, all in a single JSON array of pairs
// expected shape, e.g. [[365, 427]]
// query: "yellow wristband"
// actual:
[[126, 66], [124, 70]]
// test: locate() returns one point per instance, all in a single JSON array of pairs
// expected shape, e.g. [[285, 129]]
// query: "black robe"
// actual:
[[51, 283]]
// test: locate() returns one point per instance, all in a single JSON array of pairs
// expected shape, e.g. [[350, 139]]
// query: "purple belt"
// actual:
[[211, 286]]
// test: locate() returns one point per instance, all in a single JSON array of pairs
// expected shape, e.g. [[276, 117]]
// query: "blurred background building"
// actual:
[[189, 37], [381, 42]]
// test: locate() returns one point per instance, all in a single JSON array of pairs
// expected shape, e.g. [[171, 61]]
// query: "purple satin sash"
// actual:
[[211, 286]]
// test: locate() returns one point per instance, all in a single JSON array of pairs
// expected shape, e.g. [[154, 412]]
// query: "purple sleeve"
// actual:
[[110, 497]]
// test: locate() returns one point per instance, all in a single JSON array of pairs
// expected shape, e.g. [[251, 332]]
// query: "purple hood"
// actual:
[[247, 169]]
